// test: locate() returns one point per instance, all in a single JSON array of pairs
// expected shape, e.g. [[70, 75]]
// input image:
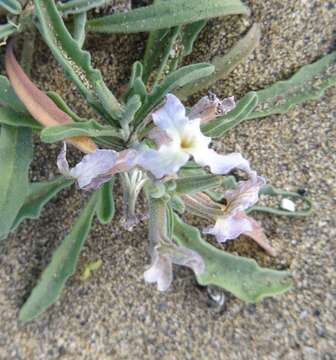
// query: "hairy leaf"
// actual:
[[220, 125], [309, 83], [61, 267], [16, 153], [13, 6], [105, 205], [166, 14], [192, 184], [241, 276], [79, 28], [39, 194], [79, 6], [225, 64], [7, 30], [75, 61], [8, 97], [12, 118]]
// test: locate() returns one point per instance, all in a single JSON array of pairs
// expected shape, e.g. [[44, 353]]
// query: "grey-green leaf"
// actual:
[[13, 6], [61, 267], [75, 61], [166, 14], [16, 153], [105, 206], [79, 6], [241, 276], [192, 184], [12, 118], [8, 98], [225, 64], [38, 196], [7, 30], [309, 83], [220, 125]]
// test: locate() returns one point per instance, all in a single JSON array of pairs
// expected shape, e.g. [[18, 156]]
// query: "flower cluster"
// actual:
[[178, 138]]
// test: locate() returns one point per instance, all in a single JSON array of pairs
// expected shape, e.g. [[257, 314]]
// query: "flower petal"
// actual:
[[171, 116], [160, 272], [165, 161], [220, 164]]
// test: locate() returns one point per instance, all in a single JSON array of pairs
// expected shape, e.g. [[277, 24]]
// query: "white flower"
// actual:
[[234, 221], [96, 167], [185, 140], [165, 254]]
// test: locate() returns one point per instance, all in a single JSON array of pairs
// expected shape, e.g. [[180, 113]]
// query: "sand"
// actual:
[[114, 315]]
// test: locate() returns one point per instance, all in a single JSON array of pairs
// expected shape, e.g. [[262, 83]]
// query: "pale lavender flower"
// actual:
[[182, 138], [165, 254], [97, 167], [234, 221]]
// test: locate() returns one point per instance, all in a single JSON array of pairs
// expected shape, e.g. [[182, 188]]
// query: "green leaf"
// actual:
[[219, 126], [241, 276], [12, 118], [309, 83], [89, 128], [105, 206], [8, 97], [192, 184], [75, 61], [13, 6], [63, 106], [6, 30], [166, 14], [61, 267], [79, 28], [38, 196], [225, 64], [16, 153], [178, 78], [79, 6], [189, 35]]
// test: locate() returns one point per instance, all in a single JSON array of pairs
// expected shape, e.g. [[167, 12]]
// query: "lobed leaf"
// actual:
[[79, 28], [220, 125], [61, 267], [75, 61], [241, 276], [13, 6], [224, 65], [166, 14], [79, 6], [39, 194], [16, 153], [309, 83]]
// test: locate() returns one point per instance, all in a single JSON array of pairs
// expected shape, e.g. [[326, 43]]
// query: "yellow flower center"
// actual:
[[186, 142]]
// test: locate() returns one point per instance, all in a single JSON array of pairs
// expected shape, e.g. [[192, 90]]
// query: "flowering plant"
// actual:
[[152, 144]]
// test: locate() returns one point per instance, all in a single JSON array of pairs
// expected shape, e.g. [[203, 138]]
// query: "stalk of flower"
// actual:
[[39, 105], [231, 220], [178, 138]]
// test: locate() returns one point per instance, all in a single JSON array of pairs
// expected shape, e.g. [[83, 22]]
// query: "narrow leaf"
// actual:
[[105, 205], [192, 184], [220, 125], [16, 153], [8, 98], [79, 6], [6, 30], [309, 83], [13, 6], [61, 267], [12, 118], [166, 14], [38, 196], [75, 61], [241, 276], [225, 64], [79, 28]]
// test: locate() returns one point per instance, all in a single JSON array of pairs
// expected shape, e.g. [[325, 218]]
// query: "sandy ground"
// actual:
[[114, 315]]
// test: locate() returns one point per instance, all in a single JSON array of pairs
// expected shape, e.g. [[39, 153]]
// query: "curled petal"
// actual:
[[220, 164], [164, 256], [96, 167], [165, 161], [245, 195], [159, 136]]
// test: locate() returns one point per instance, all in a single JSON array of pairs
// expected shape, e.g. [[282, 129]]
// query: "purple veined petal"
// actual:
[[228, 227], [171, 116], [159, 136], [227, 105], [245, 195], [165, 161], [160, 272], [221, 164]]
